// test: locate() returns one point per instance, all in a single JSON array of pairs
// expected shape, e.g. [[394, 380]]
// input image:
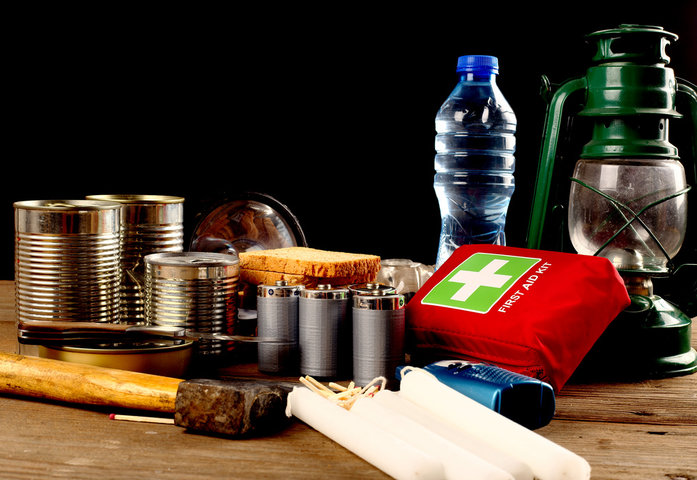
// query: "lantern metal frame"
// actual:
[[651, 338]]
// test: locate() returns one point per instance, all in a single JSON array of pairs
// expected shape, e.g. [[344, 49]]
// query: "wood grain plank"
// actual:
[[42, 440], [669, 401], [629, 451], [626, 431]]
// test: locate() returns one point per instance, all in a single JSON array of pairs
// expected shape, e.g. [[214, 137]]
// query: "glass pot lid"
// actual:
[[252, 221]]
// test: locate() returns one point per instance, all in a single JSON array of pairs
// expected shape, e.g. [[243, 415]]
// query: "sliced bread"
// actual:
[[310, 262], [260, 277]]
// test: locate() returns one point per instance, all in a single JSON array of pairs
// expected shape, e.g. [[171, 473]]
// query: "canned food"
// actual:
[[197, 291], [67, 260], [277, 317], [149, 224], [378, 336], [324, 332]]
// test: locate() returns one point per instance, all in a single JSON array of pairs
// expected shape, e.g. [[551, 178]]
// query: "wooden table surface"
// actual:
[[645, 430]]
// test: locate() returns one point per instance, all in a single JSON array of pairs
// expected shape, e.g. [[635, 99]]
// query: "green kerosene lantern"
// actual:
[[627, 195]]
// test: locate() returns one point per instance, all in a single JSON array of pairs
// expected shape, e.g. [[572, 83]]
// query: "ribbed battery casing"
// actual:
[[378, 324], [277, 317], [324, 336]]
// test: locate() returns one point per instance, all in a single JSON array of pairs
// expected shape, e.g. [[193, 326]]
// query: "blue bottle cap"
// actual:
[[478, 63]]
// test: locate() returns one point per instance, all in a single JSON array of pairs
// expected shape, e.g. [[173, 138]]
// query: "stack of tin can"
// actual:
[[197, 291], [67, 260], [149, 224]]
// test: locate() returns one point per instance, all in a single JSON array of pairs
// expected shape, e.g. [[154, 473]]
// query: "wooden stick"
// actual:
[[137, 418], [86, 384]]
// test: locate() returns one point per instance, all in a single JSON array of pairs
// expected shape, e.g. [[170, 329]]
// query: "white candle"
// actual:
[[548, 460], [485, 451], [458, 463], [390, 454]]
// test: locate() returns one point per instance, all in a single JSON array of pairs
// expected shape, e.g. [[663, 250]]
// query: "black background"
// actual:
[[328, 109]]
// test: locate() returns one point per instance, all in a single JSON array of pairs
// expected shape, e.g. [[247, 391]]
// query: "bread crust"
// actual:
[[260, 277], [310, 262]]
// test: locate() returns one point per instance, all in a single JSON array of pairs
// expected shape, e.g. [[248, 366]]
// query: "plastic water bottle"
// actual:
[[475, 146]]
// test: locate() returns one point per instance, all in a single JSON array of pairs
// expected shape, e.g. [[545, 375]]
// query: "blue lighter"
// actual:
[[525, 400]]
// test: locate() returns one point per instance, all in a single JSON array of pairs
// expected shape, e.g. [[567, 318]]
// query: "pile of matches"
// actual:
[[346, 396]]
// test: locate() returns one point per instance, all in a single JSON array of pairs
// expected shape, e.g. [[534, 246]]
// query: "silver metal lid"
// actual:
[[371, 288], [378, 301], [147, 209], [279, 289], [325, 291], [130, 198], [67, 216], [192, 265]]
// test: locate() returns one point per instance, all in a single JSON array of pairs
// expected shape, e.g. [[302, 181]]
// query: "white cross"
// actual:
[[486, 277]]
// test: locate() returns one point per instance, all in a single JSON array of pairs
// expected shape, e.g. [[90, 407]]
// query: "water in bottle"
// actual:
[[474, 163]]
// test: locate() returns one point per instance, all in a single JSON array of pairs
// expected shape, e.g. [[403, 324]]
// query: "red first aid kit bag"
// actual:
[[529, 311]]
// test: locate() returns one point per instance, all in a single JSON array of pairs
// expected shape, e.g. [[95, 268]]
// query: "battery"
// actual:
[[277, 317], [378, 323], [197, 291], [324, 332], [149, 224], [67, 260]]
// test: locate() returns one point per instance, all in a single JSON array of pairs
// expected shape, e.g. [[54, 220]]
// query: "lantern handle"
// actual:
[[688, 90], [550, 138]]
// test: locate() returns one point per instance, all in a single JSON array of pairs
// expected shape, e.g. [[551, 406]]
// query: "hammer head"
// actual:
[[231, 408]]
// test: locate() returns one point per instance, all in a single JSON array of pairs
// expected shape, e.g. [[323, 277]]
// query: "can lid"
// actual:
[[371, 288], [67, 205], [139, 210], [192, 259], [140, 199], [478, 64], [379, 302], [326, 291], [67, 217], [186, 267], [279, 289]]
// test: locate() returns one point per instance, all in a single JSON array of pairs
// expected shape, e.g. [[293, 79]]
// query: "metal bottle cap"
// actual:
[[325, 291], [279, 289]]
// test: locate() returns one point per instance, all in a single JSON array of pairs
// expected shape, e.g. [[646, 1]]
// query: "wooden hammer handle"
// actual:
[[86, 384]]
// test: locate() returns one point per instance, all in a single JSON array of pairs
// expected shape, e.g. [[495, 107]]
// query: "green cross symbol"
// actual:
[[479, 282]]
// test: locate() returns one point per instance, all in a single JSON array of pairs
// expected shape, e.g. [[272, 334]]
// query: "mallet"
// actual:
[[232, 408]]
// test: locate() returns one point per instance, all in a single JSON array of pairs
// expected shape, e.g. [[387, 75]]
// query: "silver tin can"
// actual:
[[67, 260], [197, 291], [324, 332], [149, 224], [277, 317], [378, 336]]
